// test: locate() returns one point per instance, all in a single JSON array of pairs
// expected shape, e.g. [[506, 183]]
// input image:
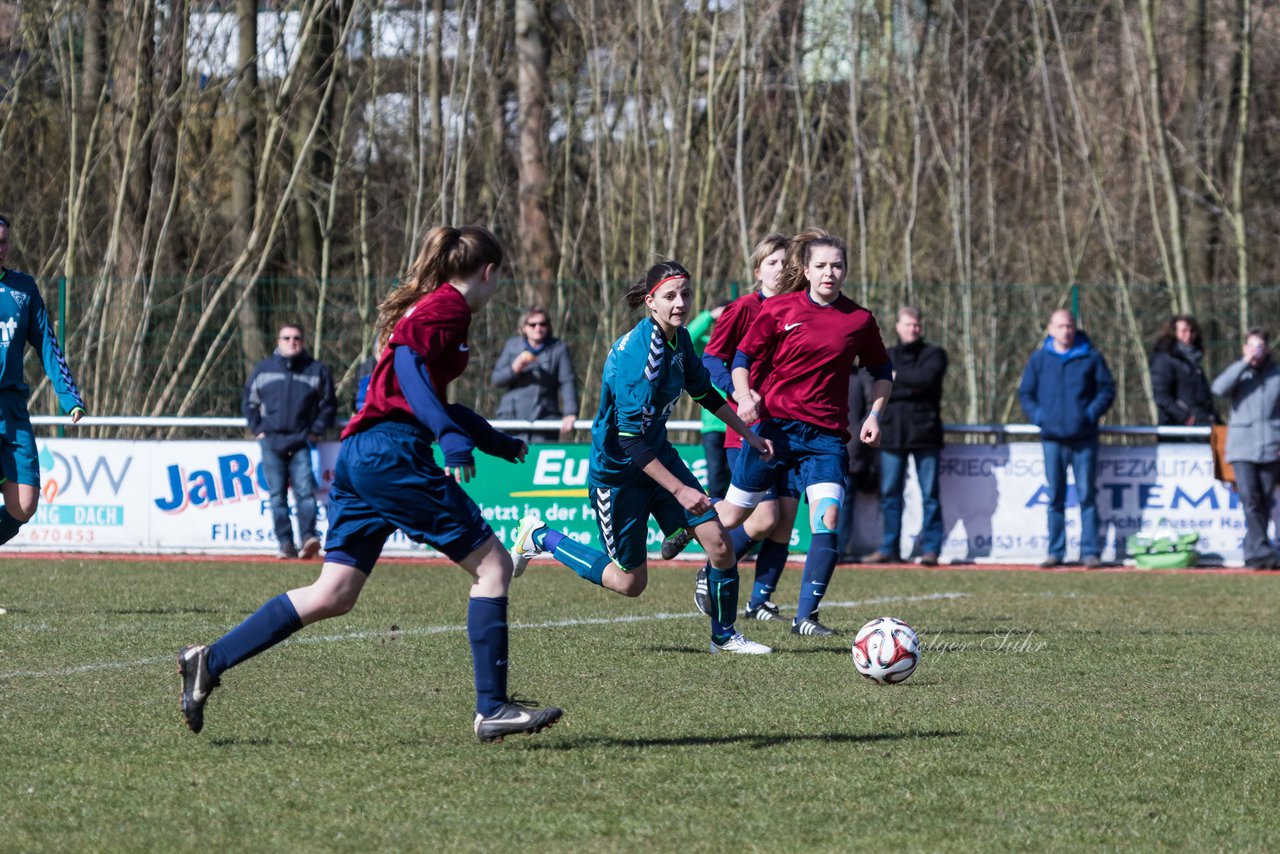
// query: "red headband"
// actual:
[[662, 282]]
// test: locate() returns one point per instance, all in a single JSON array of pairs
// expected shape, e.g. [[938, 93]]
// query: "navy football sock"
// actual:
[[547, 539], [741, 543], [769, 565], [261, 630], [722, 585], [587, 562], [8, 526], [487, 632], [818, 567]]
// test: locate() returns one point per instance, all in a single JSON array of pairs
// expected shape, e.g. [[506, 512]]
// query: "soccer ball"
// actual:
[[886, 651]]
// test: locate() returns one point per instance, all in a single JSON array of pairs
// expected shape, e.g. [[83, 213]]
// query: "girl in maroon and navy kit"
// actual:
[[387, 478], [765, 523], [812, 339]]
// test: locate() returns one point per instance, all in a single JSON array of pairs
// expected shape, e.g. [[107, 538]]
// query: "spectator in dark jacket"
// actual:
[[912, 426], [1065, 390], [1178, 380], [536, 369], [289, 404], [864, 467]]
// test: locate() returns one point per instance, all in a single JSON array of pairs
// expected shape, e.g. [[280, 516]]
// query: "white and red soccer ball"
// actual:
[[886, 651]]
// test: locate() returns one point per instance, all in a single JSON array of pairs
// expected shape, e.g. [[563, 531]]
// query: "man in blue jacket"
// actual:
[[289, 404], [1065, 390]]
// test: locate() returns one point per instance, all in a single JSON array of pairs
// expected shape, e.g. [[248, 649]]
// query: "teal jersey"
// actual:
[[644, 375], [24, 320]]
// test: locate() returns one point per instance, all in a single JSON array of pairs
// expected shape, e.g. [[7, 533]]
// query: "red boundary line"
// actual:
[[124, 557]]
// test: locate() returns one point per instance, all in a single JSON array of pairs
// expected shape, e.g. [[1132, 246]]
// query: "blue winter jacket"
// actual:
[[289, 399], [1066, 394]]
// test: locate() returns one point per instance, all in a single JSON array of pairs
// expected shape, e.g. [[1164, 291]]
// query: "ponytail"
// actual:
[[446, 253]]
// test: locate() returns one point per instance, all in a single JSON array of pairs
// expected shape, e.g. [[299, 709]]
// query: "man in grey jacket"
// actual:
[[1252, 385], [537, 371]]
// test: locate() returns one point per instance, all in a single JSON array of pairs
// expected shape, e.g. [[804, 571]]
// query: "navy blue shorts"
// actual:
[[731, 458], [622, 512], [802, 456], [387, 478]]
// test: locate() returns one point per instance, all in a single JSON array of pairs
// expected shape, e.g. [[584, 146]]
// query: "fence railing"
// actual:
[[996, 431]]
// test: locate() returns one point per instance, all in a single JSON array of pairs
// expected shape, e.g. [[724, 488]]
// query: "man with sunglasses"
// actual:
[[289, 404], [536, 370]]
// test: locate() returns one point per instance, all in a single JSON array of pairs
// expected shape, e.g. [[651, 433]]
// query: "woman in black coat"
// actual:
[[1178, 381]]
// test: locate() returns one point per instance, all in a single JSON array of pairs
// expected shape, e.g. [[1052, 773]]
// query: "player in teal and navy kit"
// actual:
[[23, 320], [635, 473]]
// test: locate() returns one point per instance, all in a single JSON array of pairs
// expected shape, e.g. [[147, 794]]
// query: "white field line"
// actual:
[[439, 630]]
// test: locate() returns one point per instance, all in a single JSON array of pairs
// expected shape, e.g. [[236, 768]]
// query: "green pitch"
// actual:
[[1050, 711]]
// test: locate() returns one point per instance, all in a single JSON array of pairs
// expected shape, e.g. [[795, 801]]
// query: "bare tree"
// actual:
[[533, 58]]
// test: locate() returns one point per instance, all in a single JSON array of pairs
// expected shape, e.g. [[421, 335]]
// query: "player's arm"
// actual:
[[699, 385], [642, 455], [488, 438], [415, 384], [720, 376], [633, 394], [42, 338], [875, 358], [881, 388], [759, 342]]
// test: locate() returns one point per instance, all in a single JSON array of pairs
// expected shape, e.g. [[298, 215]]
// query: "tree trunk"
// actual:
[[1195, 110], [243, 185], [533, 57]]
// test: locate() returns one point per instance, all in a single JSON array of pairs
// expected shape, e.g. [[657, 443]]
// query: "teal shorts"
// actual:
[[623, 511], [19, 462]]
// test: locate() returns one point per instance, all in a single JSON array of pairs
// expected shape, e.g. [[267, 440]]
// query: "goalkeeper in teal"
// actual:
[[635, 473], [23, 320]]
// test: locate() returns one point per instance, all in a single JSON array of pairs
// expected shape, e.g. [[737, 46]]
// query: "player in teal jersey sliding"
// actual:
[[635, 473], [24, 320]]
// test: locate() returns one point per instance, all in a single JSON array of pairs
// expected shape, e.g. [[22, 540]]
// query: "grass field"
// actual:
[[1051, 710]]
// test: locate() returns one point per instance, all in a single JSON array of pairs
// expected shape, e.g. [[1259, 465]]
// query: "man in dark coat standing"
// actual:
[[1065, 390], [912, 426], [289, 404]]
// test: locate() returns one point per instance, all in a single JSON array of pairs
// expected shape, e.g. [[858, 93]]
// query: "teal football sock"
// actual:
[[589, 563], [722, 584]]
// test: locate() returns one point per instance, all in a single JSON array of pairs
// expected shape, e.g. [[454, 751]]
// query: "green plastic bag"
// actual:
[[1170, 551]]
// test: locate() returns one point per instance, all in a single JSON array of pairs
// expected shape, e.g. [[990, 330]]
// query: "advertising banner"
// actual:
[[211, 497]]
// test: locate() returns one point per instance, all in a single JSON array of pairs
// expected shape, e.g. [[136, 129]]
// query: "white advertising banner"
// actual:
[[211, 497], [995, 497]]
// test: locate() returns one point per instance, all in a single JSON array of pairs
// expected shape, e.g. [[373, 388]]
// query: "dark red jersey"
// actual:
[[726, 335], [811, 350], [436, 329]]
